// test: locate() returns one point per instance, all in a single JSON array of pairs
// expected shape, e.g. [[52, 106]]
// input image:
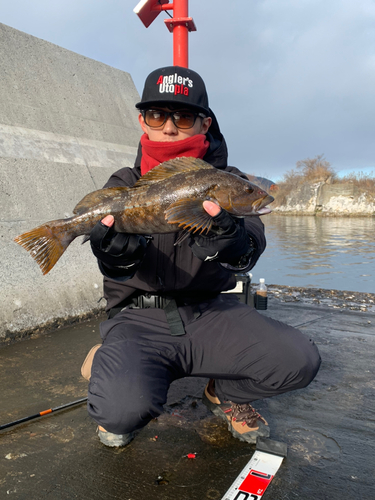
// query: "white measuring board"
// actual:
[[255, 477]]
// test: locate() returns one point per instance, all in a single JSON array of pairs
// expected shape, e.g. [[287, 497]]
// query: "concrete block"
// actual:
[[66, 124]]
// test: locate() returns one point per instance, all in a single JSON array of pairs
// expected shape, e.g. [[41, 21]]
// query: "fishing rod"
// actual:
[[42, 413]]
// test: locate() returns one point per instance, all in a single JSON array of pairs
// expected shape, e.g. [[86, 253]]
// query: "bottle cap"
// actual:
[[262, 280]]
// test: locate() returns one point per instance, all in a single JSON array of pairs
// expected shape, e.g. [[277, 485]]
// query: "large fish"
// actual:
[[165, 200]]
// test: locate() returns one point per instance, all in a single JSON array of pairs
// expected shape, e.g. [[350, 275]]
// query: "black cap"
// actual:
[[175, 85]]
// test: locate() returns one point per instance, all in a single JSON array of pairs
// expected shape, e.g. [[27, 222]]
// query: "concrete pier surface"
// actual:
[[329, 427]]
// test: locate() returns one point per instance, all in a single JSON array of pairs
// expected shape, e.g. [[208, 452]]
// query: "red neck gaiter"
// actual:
[[154, 153]]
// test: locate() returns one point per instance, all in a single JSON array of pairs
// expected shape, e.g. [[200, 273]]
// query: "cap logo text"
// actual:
[[174, 84]]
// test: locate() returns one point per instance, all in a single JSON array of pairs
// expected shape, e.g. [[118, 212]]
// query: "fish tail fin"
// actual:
[[46, 244]]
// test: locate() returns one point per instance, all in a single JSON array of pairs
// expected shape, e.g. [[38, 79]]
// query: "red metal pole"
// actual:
[[180, 34]]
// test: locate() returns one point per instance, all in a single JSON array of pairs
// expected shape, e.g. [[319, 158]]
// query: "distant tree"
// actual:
[[292, 178], [316, 169], [364, 181], [310, 170]]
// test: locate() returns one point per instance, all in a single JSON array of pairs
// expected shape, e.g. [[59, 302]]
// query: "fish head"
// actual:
[[242, 198]]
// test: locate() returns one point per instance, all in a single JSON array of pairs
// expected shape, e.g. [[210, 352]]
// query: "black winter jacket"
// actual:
[[174, 270]]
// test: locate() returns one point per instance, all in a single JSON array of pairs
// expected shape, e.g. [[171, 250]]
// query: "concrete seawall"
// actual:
[[66, 123], [328, 199]]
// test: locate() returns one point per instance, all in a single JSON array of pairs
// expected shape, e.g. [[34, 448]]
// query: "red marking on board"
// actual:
[[255, 482]]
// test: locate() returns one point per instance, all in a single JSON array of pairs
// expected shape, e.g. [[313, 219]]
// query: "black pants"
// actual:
[[249, 355]]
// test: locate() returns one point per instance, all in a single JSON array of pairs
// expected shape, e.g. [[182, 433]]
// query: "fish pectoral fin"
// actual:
[[184, 234], [190, 215], [170, 168], [99, 196]]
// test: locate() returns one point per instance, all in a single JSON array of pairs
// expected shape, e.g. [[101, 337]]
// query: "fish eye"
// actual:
[[249, 189]]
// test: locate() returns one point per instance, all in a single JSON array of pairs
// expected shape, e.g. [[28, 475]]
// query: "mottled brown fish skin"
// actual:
[[165, 200], [146, 216]]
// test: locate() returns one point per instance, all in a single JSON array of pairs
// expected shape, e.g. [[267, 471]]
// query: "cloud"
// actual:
[[287, 79]]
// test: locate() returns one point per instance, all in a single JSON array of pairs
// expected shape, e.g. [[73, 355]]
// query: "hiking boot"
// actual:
[[244, 422], [114, 440]]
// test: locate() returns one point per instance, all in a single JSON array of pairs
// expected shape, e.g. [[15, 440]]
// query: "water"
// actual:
[[321, 252]]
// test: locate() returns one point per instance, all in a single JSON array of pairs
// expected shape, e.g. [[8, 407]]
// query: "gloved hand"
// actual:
[[118, 254], [227, 241]]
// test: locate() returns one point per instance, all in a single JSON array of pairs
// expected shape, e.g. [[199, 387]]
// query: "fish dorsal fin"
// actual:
[[190, 215], [170, 168], [96, 197]]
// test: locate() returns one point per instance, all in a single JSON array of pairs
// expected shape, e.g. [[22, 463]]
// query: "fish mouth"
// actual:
[[260, 206]]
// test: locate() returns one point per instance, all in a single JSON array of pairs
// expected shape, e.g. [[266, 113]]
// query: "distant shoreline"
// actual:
[[276, 211], [316, 190]]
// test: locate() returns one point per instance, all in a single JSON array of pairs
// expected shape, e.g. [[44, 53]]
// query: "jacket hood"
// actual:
[[217, 154]]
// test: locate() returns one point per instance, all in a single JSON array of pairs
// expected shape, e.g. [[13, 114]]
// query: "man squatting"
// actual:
[[167, 317]]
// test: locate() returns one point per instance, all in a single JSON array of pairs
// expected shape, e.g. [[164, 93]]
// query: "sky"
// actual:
[[287, 79]]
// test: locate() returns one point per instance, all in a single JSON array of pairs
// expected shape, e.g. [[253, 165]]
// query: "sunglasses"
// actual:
[[155, 118]]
